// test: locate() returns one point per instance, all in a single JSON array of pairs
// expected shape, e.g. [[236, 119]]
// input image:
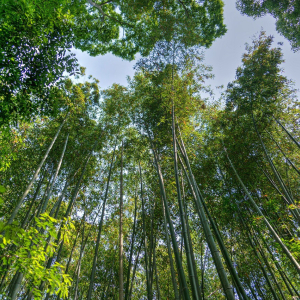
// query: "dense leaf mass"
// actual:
[[150, 191], [286, 13], [35, 38]]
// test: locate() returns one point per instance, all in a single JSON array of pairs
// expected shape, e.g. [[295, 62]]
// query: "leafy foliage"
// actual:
[[27, 251], [286, 13], [36, 37], [210, 188]]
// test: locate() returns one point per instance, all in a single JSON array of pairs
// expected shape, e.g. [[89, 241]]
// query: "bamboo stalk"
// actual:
[[19, 203]]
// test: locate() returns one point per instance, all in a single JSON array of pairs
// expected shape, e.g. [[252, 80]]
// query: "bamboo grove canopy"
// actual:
[[154, 190], [286, 13], [36, 36]]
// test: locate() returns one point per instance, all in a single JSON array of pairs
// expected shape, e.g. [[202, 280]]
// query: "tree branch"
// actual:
[[106, 2], [99, 7], [213, 292], [186, 10]]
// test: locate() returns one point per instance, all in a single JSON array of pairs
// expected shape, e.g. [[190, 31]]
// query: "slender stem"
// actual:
[[91, 286], [170, 255], [131, 248], [121, 289], [171, 228], [187, 245], [79, 260], [206, 228], [54, 178], [144, 235], [291, 137], [19, 203], [257, 209]]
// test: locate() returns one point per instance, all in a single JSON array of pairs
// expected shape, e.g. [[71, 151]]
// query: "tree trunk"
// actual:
[[55, 176], [207, 231], [291, 137], [144, 236], [176, 294], [121, 291], [99, 230], [66, 215], [171, 228], [16, 286], [277, 175], [131, 248], [280, 149], [259, 260], [187, 245], [134, 268], [19, 203], [257, 209], [156, 274], [79, 260], [25, 221]]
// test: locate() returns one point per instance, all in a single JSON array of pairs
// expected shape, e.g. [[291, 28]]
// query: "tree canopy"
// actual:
[[286, 13], [36, 37], [153, 190]]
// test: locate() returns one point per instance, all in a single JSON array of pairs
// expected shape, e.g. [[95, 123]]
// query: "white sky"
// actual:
[[224, 55]]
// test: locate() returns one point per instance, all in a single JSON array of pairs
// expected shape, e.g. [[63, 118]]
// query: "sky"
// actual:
[[224, 55]]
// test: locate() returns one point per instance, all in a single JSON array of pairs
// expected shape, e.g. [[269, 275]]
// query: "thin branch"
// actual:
[[186, 10], [99, 7], [105, 2], [213, 292]]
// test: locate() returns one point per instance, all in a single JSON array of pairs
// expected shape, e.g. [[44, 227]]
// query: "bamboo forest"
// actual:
[[155, 189]]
